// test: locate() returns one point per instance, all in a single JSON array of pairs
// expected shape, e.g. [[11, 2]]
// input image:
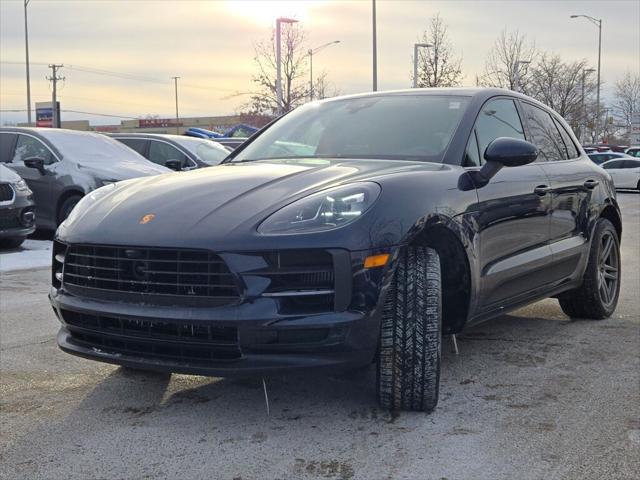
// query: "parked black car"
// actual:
[[61, 166], [324, 244], [175, 151], [17, 209]]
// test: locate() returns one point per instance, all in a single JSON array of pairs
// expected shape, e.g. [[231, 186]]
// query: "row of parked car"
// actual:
[[52, 169], [624, 167], [55, 168]]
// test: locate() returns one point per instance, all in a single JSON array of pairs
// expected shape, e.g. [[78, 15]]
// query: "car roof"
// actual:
[[165, 136], [481, 93]]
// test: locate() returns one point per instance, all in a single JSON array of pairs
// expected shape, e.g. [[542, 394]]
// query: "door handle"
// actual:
[[542, 190], [591, 184]]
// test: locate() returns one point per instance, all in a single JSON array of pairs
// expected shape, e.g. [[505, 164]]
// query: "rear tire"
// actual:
[[597, 297], [11, 242], [411, 334], [67, 206]]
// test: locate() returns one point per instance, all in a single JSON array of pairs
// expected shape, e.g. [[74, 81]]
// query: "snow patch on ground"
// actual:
[[31, 254]]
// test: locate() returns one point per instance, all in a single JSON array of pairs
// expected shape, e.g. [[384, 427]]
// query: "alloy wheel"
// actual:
[[608, 269]]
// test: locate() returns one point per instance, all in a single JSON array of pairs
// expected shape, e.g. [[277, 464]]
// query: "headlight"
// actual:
[[21, 186], [86, 202], [324, 210]]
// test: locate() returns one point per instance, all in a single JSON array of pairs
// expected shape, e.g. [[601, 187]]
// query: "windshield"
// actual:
[[89, 147], [209, 152], [399, 126]]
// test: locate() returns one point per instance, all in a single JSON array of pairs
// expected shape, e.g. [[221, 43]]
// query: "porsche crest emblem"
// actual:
[[147, 218]]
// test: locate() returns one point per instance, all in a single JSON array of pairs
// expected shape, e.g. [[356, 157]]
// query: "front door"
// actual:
[[512, 214], [41, 183]]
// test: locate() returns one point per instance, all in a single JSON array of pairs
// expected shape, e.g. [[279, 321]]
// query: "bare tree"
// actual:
[[438, 66], [558, 84], [323, 88], [295, 89], [501, 64], [627, 98]]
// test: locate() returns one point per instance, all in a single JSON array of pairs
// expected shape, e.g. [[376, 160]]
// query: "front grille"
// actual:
[[9, 219], [174, 340], [6, 192], [149, 274]]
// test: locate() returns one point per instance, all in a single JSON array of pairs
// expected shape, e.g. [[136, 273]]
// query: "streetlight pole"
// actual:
[[583, 112], [375, 47], [517, 73], [26, 49], [598, 23], [415, 60], [175, 82], [311, 51], [279, 22]]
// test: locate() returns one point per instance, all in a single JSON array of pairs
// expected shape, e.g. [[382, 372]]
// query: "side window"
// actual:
[[160, 152], [572, 151], [631, 164], [613, 164], [6, 146], [498, 118], [30, 147], [545, 134], [136, 144], [471, 156]]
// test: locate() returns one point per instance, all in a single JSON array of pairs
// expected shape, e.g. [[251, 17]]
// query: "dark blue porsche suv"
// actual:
[[352, 230]]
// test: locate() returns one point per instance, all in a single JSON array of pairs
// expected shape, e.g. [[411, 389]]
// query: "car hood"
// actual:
[[7, 175], [121, 170], [210, 204]]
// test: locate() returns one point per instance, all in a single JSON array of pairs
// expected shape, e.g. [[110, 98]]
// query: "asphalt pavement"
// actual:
[[531, 395]]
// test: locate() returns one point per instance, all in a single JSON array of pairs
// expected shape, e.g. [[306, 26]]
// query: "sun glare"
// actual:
[[265, 12]]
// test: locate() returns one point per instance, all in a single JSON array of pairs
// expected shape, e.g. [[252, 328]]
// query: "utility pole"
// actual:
[[279, 22], [55, 119], [375, 47], [597, 22], [310, 52], [583, 112], [175, 81], [26, 49]]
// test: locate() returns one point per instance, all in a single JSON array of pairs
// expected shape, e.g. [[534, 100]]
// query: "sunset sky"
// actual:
[[209, 44]]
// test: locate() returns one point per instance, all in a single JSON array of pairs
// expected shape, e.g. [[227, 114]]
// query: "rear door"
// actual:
[[513, 213], [573, 180]]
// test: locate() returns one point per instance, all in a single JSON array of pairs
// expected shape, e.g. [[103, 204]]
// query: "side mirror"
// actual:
[[505, 152], [173, 165], [35, 162]]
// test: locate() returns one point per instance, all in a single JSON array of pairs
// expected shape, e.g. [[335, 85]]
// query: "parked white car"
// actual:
[[625, 172]]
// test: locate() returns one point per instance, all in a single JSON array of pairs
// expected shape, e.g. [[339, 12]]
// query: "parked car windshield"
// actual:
[[399, 126], [206, 150], [87, 147]]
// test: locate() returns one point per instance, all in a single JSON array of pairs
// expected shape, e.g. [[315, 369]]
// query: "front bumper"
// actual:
[[258, 335], [18, 219]]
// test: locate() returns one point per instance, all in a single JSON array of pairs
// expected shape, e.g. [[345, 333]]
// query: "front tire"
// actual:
[[597, 297], [11, 242], [411, 334]]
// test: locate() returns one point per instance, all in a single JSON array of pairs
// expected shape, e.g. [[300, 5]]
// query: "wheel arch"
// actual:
[[69, 192], [611, 213], [456, 273]]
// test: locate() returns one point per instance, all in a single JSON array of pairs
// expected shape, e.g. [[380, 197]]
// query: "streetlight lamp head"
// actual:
[[286, 20]]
